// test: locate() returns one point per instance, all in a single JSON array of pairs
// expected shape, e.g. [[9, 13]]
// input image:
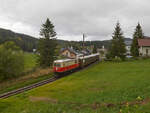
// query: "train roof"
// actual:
[[88, 56], [63, 60]]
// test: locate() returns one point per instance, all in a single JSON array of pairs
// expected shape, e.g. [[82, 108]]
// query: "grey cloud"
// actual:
[[96, 18]]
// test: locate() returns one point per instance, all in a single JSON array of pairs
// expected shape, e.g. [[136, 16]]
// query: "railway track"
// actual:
[[26, 88], [20, 90]]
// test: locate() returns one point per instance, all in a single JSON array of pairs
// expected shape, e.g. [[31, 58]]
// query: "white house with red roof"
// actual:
[[144, 46]]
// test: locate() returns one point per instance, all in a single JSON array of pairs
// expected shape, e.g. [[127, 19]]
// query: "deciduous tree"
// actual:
[[11, 60]]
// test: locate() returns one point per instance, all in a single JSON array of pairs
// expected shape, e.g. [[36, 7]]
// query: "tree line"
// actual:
[[118, 48]]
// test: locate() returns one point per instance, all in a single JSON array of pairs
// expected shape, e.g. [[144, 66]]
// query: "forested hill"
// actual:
[[26, 42], [97, 43]]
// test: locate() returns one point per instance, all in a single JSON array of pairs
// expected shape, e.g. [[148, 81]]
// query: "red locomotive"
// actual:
[[67, 65]]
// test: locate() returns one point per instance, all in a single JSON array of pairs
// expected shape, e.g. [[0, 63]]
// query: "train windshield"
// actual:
[[57, 64]]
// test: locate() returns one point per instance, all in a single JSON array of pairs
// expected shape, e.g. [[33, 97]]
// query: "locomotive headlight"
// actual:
[[83, 61]]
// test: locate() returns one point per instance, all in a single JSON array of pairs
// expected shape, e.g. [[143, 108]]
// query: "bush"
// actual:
[[108, 56], [11, 60], [145, 57]]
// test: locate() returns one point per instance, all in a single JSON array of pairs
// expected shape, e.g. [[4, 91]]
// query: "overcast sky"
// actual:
[[95, 18]]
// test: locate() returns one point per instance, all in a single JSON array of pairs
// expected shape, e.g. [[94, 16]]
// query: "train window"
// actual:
[[76, 61], [57, 64]]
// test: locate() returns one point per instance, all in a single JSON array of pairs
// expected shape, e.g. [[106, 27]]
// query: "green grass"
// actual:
[[106, 84], [29, 61], [20, 84]]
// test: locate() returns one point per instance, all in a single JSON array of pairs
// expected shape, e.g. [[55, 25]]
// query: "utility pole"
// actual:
[[83, 41], [83, 46]]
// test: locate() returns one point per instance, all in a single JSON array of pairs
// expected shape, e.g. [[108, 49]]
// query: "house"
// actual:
[[103, 51], [144, 46], [128, 46], [69, 53]]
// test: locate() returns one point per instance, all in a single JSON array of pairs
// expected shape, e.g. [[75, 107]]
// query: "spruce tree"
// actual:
[[47, 44], [138, 34], [117, 45]]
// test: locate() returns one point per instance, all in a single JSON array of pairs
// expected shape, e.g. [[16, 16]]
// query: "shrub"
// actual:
[[108, 55], [145, 57], [11, 60]]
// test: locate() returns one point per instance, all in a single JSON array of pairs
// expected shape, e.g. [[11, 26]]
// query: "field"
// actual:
[[30, 61], [107, 87]]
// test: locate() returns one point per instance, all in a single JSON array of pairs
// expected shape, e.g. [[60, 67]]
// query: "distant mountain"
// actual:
[[26, 42]]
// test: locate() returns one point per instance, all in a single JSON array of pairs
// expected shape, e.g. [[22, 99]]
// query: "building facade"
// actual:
[[128, 47], [144, 46], [68, 52]]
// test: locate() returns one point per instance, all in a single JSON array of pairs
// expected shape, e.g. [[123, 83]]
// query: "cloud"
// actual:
[[72, 18]]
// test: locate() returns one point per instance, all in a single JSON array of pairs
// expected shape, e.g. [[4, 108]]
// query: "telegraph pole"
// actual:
[[83, 46], [83, 41]]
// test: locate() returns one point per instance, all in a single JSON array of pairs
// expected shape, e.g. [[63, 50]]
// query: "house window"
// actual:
[[66, 53]]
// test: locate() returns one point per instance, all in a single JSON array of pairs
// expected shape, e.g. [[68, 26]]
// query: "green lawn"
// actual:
[[103, 88], [30, 61]]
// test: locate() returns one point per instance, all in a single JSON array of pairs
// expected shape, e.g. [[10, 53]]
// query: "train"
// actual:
[[63, 66]]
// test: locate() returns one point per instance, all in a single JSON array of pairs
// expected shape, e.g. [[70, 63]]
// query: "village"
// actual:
[[143, 44]]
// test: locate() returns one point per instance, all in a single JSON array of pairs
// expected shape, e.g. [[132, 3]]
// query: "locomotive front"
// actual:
[[65, 65], [57, 66]]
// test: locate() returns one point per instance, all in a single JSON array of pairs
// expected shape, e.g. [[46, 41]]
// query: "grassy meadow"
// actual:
[[107, 87], [29, 61]]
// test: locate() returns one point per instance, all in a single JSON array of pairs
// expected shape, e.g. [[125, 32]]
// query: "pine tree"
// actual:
[[138, 34], [118, 46], [47, 44]]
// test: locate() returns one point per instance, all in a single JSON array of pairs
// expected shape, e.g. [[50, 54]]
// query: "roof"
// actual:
[[89, 56], [63, 60], [86, 52], [69, 49], [144, 42]]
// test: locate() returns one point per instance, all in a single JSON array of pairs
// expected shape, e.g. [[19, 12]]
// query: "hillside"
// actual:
[[26, 42], [124, 88]]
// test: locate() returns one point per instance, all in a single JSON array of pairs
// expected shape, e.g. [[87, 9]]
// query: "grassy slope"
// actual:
[[105, 83]]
